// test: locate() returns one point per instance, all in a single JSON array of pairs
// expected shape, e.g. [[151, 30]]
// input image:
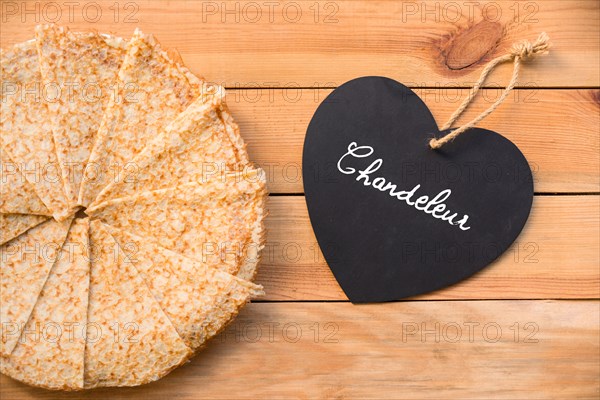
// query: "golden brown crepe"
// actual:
[[198, 299], [25, 125], [24, 267], [166, 257], [152, 90], [218, 222], [17, 196], [50, 350], [195, 146], [13, 225], [84, 66], [130, 339]]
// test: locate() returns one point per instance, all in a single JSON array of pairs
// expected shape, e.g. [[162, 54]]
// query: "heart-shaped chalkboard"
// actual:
[[395, 218]]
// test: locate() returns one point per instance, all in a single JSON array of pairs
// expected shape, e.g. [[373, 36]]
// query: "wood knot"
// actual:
[[472, 44]]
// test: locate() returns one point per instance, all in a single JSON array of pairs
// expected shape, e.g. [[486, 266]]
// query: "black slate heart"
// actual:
[[378, 245]]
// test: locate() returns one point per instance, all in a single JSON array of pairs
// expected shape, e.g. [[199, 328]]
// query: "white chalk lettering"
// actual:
[[433, 206]]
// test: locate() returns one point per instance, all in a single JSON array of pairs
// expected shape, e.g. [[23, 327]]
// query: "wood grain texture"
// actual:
[[406, 349], [557, 130], [325, 43], [556, 256], [414, 350]]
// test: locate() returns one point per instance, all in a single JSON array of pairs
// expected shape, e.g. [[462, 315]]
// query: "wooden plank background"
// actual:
[[239, 45], [431, 350], [556, 256], [555, 129], [304, 340]]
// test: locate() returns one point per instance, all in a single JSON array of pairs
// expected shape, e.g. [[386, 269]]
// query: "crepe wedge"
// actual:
[[81, 68], [13, 225], [199, 300], [25, 126], [50, 351], [17, 196], [24, 267], [200, 142], [218, 222], [152, 90], [130, 340]]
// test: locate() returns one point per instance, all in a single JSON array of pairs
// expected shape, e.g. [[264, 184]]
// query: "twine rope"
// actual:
[[519, 52]]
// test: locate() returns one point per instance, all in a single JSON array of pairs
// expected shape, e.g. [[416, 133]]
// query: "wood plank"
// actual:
[[416, 350], [557, 130], [246, 43], [405, 349], [556, 256]]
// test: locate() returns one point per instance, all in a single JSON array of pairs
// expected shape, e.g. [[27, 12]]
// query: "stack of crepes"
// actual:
[[131, 219]]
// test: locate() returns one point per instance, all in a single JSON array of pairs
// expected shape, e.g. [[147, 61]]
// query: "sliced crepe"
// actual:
[[24, 267], [50, 351], [199, 300], [25, 126], [151, 91], [13, 225], [218, 222], [84, 66], [17, 196], [196, 145], [130, 340]]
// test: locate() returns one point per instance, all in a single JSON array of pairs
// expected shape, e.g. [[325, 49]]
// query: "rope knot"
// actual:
[[519, 51], [526, 50]]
